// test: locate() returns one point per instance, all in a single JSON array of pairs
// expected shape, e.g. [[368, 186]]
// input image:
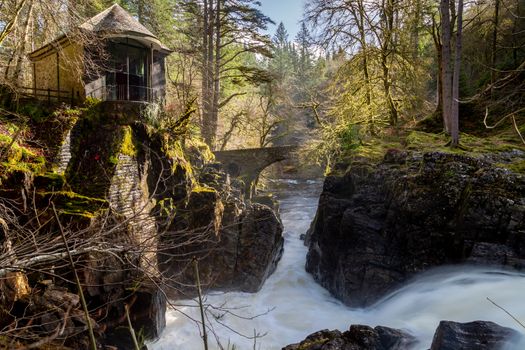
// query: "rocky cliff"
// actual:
[[379, 224], [137, 206]]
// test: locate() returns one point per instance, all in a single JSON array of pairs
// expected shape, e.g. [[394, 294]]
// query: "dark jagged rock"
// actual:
[[241, 242], [358, 337], [260, 247], [477, 335], [378, 225]]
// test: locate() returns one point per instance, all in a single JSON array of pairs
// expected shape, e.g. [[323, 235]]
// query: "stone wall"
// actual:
[[128, 196], [62, 70]]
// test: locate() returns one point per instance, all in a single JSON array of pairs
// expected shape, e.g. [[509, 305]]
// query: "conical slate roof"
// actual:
[[115, 20], [112, 22]]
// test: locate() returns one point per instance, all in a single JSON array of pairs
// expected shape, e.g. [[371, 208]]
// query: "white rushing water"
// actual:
[[299, 306]]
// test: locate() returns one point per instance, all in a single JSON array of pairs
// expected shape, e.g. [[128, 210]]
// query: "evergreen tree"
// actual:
[[281, 64], [280, 39], [221, 31], [304, 41]]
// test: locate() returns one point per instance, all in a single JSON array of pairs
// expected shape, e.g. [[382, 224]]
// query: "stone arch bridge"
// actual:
[[248, 163]]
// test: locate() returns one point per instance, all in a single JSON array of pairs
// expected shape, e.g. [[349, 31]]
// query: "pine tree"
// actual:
[[304, 40], [280, 39]]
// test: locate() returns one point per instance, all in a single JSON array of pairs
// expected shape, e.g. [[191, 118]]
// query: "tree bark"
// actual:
[[217, 69], [446, 69], [210, 62], [364, 48], [20, 52], [494, 42], [439, 76], [9, 26], [205, 126], [415, 30], [454, 125], [385, 52]]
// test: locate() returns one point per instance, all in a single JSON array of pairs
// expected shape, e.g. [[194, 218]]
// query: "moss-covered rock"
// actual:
[[49, 182], [70, 203]]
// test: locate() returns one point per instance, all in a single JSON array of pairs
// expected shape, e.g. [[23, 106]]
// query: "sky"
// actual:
[[289, 12]]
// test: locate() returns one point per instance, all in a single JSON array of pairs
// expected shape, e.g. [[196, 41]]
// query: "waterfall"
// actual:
[[292, 305]]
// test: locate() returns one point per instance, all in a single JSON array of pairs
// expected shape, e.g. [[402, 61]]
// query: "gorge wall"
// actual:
[[378, 225]]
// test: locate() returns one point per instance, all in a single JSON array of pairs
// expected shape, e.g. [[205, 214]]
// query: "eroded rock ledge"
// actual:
[[379, 224]]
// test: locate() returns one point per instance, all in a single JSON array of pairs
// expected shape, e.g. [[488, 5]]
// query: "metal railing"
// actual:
[[49, 95], [123, 92]]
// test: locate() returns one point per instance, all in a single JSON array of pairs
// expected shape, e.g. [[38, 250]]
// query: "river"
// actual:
[[292, 305]]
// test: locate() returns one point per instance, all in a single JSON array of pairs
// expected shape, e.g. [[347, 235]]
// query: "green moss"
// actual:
[[432, 123], [470, 144], [7, 168], [197, 147], [113, 160], [5, 139], [91, 109], [71, 203], [35, 111], [418, 139], [128, 146], [517, 167], [373, 149], [19, 157], [175, 151], [50, 182], [166, 207], [203, 189]]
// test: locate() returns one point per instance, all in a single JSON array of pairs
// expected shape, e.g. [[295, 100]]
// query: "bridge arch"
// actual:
[[248, 163]]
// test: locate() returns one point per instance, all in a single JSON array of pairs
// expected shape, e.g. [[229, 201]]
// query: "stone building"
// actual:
[[111, 57]]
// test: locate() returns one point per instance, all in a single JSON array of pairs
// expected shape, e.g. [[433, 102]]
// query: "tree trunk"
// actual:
[[364, 48], [446, 80], [385, 52], [515, 40], [439, 75], [454, 125], [10, 25], [140, 11], [415, 30], [210, 62], [18, 77], [494, 43], [205, 126], [217, 68]]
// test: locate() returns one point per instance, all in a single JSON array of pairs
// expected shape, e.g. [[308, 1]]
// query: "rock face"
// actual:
[[237, 244], [138, 214], [478, 335], [358, 337], [260, 247], [378, 225]]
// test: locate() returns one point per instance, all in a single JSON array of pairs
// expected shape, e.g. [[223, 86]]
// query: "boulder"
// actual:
[[377, 225], [477, 335], [358, 337]]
